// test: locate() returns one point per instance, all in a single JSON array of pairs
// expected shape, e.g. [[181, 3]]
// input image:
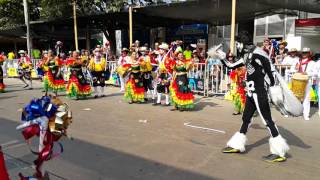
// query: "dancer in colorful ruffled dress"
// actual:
[[181, 95], [53, 79], [134, 87], [237, 92], [79, 84], [2, 86]]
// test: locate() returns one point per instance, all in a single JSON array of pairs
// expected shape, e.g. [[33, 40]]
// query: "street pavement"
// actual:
[[113, 140]]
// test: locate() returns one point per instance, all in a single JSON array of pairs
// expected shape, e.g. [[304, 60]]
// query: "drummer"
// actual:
[[305, 66], [124, 59]]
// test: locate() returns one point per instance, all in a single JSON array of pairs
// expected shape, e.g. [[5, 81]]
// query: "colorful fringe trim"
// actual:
[[180, 100], [314, 96], [237, 91], [134, 93], [2, 87], [75, 89], [52, 84]]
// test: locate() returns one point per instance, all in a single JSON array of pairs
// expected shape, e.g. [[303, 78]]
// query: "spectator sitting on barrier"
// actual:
[[214, 68], [195, 57]]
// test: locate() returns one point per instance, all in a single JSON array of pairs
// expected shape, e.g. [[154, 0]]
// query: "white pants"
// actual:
[[306, 101], [123, 81], [287, 75]]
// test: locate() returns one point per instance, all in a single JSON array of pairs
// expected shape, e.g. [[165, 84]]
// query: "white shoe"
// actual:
[[306, 118], [319, 113]]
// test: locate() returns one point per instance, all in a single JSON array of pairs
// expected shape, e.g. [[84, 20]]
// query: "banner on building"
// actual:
[[308, 27]]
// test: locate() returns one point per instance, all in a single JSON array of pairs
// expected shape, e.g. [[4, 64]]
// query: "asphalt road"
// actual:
[[112, 140]]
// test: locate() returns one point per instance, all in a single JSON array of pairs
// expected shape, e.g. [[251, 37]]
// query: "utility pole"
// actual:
[[26, 20], [233, 26], [75, 24], [130, 25]]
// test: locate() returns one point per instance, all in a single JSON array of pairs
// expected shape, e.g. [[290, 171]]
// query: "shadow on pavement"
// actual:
[[292, 139], [104, 163], [201, 105], [6, 97]]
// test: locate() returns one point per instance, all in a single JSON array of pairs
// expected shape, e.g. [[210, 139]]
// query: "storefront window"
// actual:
[[276, 25], [260, 27]]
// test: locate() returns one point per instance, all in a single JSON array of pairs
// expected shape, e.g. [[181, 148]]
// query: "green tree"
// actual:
[[11, 11]]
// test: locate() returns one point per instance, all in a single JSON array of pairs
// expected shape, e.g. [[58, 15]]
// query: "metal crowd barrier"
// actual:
[[204, 79], [197, 78]]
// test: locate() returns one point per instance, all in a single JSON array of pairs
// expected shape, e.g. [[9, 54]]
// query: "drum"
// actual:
[[299, 84], [122, 70]]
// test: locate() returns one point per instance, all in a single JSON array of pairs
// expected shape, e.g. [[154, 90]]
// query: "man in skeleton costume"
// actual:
[[97, 67], [24, 69], [258, 67]]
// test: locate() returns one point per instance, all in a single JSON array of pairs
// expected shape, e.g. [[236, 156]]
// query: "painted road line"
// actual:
[[204, 128], [9, 143]]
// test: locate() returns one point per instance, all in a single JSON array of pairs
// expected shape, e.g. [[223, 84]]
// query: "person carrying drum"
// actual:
[[305, 66]]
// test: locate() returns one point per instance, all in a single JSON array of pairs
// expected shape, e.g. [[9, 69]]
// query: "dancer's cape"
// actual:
[[284, 99]]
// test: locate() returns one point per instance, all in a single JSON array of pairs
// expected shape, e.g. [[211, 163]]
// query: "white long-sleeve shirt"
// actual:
[[123, 60], [306, 68], [288, 60], [316, 69]]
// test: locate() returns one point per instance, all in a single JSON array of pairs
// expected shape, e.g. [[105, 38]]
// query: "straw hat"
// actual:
[[293, 50], [124, 50], [285, 43], [143, 49], [305, 49], [22, 52], [164, 46]]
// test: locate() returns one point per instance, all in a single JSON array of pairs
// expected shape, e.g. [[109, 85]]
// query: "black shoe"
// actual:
[[96, 96], [230, 150], [274, 158], [173, 109], [103, 95], [26, 86], [167, 104], [156, 104], [146, 99]]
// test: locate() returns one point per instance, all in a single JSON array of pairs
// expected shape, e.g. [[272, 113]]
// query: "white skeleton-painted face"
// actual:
[[239, 46]]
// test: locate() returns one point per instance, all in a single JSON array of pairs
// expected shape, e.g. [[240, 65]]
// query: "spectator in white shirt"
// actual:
[[291, 60], [124, 59]]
